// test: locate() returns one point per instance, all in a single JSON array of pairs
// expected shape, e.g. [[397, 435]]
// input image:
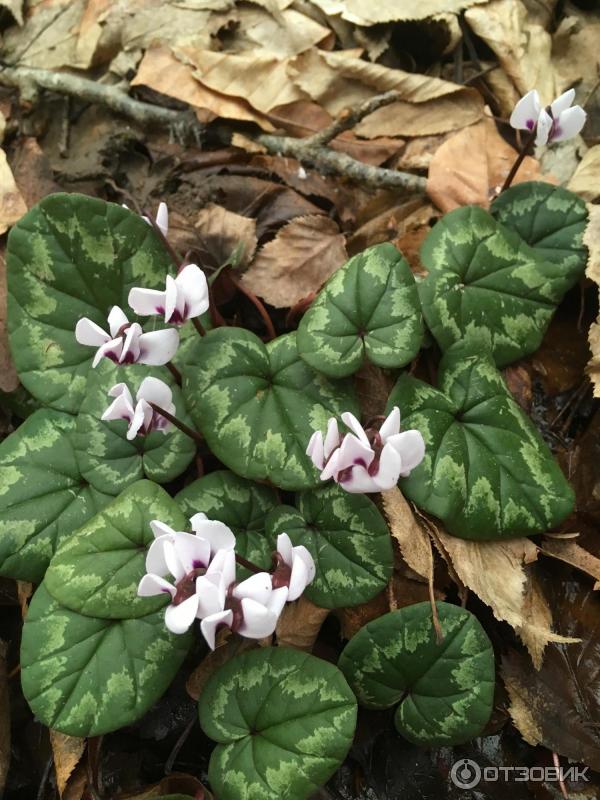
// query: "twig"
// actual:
[[256, 302], [561, 783], [309, 151]]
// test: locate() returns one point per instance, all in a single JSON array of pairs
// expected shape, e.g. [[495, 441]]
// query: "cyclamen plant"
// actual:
[[134, 396]]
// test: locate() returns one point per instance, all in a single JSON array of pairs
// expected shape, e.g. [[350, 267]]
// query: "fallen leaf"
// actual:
[[225, 234], [496, 572], [382, 225], [15, 7], [572, 553], [67, 751], [232, 646], [562, 357], [298, 261], [558, 706], [522, 46], [366, 12], [591, 239], [353, 618], [24, 592], [518, 380], [5, 746], [414, 541], [77, 783], [586, 180], [12, 205], [586, 477], [471, 166], [299, 624], [177, 783], [32, 171], [9, 380]]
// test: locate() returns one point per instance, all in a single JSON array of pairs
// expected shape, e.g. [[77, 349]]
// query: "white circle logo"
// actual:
[[465, 773]]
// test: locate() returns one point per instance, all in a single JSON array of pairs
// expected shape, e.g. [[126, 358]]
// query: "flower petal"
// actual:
[[298, 579], [359, 482], [257, 587], [354, 452], [151, 585], [179, 618], [146, 301], [544, 126], [193, 284], [131, 344], [211, 595], [391, 425], [217, 534], [116, 320], [285, 548], [258, 621], [331, 467], [172, 561], [192, 551], [155, 557], [278, 599], [159, 528], [156, 391], [210, 625], [170, 298], [355, 426], [162, 218], [142, 417], [111, 349], [223, 563], [121, 407], [411, 446], [562, 102], [332, 437], [569, 124], [158, 347], [88, 333], [525, 114], [315, 450], [390, 464]]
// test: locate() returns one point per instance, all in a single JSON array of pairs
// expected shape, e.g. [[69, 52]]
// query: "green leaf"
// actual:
[[257, 405], [239, 504], [550, 219], [43, 497], [283, 720], [72, 256], [108, 460], [368, 309], [487, 473], [487, 284], [445, 690], [86, 676], [348, 540], [98, 571]]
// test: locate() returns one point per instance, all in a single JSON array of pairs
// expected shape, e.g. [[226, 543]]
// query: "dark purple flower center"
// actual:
[[282, 573], [186, 587]]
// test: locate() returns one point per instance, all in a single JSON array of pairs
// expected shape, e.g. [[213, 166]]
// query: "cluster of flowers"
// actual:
[[202, 566]]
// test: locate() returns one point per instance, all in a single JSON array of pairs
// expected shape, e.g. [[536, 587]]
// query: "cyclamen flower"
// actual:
[[187, 557], [295, 567], [161, 219], [127, 343], [185, 297], [142, 419], [555, 123], [366, 460]]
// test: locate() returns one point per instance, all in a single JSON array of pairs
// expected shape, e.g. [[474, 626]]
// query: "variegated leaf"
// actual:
[[97, 572], [445, 690], [257, 405], [72, 256], [368, 309], [283, 720], [107, 459], [242, 505], [487, 473], [348, 539], [485, 283], [86, 676], [550, 219], [43, 496]]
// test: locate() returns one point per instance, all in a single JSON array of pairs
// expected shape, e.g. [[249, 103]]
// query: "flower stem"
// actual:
[[518, 161], [243, 562], [174, 371], [199, 326], [178, 423]]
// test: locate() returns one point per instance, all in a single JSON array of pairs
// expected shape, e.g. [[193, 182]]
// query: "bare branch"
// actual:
[[351, 117]]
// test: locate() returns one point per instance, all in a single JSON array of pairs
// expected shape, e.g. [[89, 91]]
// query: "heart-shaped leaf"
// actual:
[[445, 689], [487, 284], [108, 460], [348, 539], [85, 676], [368, 309], [72, 256], [257, 405], [43, 497], [487, 473], [283, 720], [550, 219], [98, 571], [240, 504]]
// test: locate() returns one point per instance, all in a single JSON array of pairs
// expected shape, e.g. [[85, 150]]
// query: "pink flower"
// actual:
[[127, 343], [368, 460], [295, 567], [555, 123], [185, 297], [142, 419]]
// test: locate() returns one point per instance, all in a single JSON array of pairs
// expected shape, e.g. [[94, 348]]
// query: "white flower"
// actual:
[[295, 567], [199, 570], [161, 220], [142, 419], [366, 461], [559, 121], [126, 343], [185, 296]]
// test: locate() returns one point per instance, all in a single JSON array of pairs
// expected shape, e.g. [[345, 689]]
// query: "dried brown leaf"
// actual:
[[67, 751], [366, 12], [472, 165], [24, 592], [298, 261], [353, 618], [12, 204], [32, 171], [15, 7], [586, 180], [175, 783], [591, 239], [572, 553], [232, 646], [224, 233], [414, 541], [299, 624]]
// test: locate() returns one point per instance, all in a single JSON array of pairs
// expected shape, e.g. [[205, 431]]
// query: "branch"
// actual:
[[311, 151]]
